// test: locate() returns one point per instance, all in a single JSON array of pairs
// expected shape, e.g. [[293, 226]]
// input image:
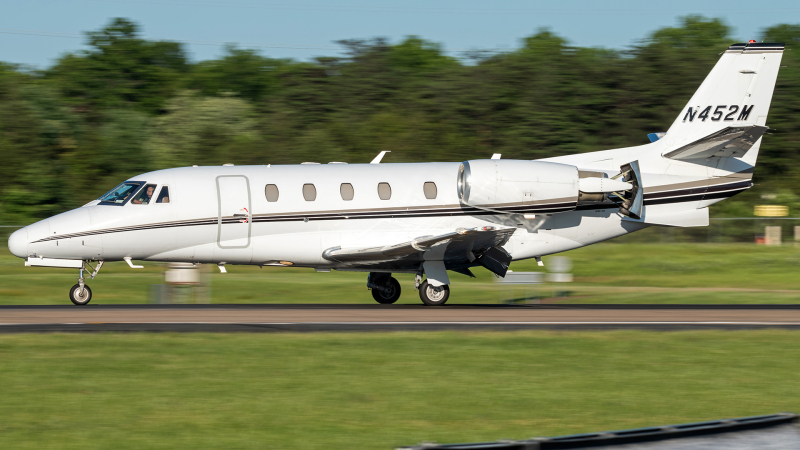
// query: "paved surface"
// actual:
[[391, 317]]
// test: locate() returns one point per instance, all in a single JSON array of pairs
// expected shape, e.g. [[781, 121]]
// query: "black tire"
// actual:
[[77, 298], [390, 295], [434, 296]]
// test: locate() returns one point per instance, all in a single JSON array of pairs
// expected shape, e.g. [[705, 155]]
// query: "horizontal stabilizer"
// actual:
[[685, 218], [730, 142]]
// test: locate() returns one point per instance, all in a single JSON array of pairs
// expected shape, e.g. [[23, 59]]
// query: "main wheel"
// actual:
[[434, 295], [389, 295], [79, 297]]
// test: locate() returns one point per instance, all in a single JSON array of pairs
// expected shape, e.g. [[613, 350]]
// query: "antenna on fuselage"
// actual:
[[378, 158]]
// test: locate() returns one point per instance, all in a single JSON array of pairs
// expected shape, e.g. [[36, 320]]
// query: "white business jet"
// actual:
[[425, 219]]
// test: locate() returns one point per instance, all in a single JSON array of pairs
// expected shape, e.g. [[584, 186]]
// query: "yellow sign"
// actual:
[[771, 210]]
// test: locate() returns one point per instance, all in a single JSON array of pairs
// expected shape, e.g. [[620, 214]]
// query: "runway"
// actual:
[[353, 317]]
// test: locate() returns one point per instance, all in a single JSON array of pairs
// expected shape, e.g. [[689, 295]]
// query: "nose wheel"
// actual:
[[80, 294]]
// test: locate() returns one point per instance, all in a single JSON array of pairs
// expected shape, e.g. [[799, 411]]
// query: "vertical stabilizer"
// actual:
[[736, 93]]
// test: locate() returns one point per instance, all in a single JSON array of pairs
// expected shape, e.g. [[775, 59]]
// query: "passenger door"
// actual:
[[235, 213]]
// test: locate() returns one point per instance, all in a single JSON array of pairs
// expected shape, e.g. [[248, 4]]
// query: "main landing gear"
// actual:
[[386, 289], [433, 295], [429, 294], [81, 294]]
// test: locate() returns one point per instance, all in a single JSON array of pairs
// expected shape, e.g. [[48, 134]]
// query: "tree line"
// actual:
[[128, 105]]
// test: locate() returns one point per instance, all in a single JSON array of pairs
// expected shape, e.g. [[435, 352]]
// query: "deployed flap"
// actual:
[[496, 260], [460, 246], [731, 141], [465, 271]]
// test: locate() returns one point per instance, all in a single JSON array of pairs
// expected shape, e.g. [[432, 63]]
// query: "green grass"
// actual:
[[379, 390], [604, 273]]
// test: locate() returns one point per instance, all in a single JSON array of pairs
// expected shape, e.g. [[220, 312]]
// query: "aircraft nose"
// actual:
[[18, 243]]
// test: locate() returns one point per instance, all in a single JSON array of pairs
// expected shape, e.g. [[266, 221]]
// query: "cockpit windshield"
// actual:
[[121, 194]]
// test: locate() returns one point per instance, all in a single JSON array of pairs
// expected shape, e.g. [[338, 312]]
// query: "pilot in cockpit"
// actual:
[[144, 197]]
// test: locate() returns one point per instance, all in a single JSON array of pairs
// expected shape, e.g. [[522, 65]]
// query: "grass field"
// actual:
[[604, 273], [379, 390], [382, 390]]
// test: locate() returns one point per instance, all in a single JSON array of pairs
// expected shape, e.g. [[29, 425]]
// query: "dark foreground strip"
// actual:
[[373, 306], [775, 431], [379, 327]]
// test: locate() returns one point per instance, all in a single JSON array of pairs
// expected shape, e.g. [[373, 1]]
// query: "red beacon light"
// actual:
[[751, 41]]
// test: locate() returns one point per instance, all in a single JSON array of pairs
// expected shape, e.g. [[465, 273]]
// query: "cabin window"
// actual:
[[121, 194], [309, 192], [163, 196], [384, 191], [145, 195], [271, 192], [429, 188], [347, 192]]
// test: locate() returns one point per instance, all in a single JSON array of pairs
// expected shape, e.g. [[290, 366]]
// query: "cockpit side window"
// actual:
[[121, 194], [163, 196], [145, 195]]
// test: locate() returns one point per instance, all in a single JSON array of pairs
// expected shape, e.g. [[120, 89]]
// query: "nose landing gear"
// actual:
[[80, 294]]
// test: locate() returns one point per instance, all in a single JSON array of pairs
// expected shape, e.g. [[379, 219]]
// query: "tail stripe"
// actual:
[[755, 48]]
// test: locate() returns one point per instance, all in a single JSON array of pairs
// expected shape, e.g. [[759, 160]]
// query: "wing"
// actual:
[[731, 141], [460, 248]]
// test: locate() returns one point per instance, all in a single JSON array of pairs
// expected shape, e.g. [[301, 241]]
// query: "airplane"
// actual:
[[424, 219]]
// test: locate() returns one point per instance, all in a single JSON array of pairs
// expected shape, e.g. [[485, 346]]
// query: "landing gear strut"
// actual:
[[434, 295], [80, 294], [385, 288]]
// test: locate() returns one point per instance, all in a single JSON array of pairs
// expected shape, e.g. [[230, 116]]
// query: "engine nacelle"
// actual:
[[518, 186]]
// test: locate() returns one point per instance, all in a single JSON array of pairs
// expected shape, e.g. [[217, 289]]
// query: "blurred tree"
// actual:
[[120, 141], [204, 131], [38, 137], [695, 33], [243, 72], [122, 107], [664, 70], [781, 151], [418, 57], [121, 70]]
